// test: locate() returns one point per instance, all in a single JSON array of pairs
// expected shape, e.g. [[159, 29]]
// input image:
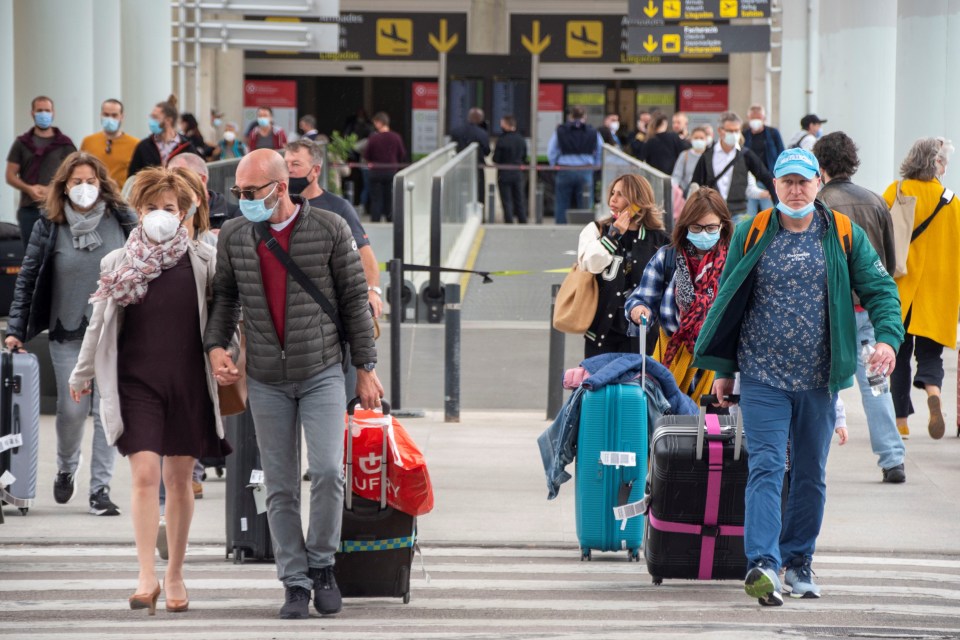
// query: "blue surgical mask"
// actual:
[[263, 122], [192, 211], [217, 122], [156, 127], [256, 210], [43, 119], [703, 240], [110, 125], [796, 214]]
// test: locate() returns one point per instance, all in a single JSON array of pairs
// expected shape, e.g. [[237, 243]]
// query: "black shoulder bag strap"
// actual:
[[945, 198], [716, 178], [306, 283]]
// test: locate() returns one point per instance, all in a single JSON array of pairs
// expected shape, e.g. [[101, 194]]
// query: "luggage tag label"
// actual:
[[11, 441], [7, 479], [628, 511], [256, 476], [260, 498], [618, 458]]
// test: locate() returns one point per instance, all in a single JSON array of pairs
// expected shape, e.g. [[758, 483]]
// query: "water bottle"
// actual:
[[879, 383]]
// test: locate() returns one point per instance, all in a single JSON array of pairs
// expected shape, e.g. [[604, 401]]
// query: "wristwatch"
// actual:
[[369, 366], [376, 290]]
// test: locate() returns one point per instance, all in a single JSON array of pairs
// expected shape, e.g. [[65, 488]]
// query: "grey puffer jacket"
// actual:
[[323, 247]]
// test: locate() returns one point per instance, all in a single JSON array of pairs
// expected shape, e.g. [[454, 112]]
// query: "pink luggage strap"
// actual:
[[708, 531]]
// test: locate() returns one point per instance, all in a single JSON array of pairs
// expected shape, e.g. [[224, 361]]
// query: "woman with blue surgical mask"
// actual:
[[680, 284], [687, 162]]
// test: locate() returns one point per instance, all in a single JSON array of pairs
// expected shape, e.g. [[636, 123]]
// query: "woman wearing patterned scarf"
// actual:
[[681, 282], [158, 395], [83, 220]]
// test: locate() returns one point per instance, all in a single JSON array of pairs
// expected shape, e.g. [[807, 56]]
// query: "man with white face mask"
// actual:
[[725, 167], [113, 146], [784, 317], [611, 125], [767, 143], [230, 145]]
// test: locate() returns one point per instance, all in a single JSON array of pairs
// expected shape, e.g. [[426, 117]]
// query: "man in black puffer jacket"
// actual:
[[293, 362]]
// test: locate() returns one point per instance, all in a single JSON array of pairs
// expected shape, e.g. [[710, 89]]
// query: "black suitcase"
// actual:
[[695, 493], [11, 257], [377, 541], [248, 534]]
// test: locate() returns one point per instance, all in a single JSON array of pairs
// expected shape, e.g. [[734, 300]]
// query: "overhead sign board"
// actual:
[[660, 11], [712, 39], [299, 8], [584, 38], [390, 35]]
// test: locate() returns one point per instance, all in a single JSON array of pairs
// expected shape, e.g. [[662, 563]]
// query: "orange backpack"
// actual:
[[761, 220]]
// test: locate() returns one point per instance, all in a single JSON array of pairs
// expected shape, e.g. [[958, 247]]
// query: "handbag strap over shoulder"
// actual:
[[945, 197]]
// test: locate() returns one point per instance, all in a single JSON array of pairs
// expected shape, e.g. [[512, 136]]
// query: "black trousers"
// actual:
[[929, 355], [511, 196], [381, 197], [612, 343], [26, 218]]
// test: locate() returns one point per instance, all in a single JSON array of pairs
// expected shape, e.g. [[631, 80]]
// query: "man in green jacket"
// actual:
[[784, 318]]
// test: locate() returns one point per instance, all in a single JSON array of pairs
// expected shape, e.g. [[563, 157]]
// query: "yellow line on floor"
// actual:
[[471, 260]]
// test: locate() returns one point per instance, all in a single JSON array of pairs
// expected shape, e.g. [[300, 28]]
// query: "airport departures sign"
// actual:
[[659, 11]]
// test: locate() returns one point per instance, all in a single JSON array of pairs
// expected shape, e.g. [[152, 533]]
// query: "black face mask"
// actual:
[[299, 185]]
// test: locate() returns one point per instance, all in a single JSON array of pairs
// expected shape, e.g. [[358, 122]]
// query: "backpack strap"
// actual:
[[842, 223], [844, 231], [759, 225]]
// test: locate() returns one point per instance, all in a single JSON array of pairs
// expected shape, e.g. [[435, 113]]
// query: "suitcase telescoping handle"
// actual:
[[705, 401], [643, 350], [348, 491]]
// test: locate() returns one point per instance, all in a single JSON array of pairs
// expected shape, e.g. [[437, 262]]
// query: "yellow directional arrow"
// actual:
[[534, 44], [443, 44], [650, 44], [651, 9]]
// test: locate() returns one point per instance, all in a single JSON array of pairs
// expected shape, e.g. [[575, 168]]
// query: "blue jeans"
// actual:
[[770, 417], [570, 187], [71, 417], [881, 417], [756, 205], [278, 410]]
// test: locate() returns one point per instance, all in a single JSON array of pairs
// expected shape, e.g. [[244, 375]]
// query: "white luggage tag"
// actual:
[[618, 458], [11, 441]]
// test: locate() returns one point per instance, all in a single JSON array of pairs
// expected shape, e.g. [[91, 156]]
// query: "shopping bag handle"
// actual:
[[352, 406]]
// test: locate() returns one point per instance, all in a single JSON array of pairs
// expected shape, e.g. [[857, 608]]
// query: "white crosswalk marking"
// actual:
[[79, 593]]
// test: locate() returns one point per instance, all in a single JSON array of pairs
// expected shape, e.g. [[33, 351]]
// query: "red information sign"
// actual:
[[426, 95], [710, 98], [270, 93], [551, 97]]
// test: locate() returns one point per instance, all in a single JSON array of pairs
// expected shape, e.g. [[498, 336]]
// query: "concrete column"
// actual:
[[856, 87], [146, 59], [107, 53], [747, 83], [9, 127], [487, 26], [228, 82], [54, 56]]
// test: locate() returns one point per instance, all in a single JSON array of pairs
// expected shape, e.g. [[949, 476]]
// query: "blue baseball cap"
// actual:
[[799, 161]]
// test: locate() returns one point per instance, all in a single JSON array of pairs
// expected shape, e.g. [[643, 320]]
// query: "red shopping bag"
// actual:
[[408, 482]]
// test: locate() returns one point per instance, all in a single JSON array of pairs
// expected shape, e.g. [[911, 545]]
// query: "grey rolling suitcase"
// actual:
[[19, 428]]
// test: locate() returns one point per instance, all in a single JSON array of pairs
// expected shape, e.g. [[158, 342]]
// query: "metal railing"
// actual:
[[616, 163]]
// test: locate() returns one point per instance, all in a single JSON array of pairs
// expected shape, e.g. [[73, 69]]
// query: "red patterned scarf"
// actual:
[[705, 285]]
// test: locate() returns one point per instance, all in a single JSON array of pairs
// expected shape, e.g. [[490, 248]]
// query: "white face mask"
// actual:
[[160, 225], [229, 136], [83, 195], [698, 145], [731, 139], [709, 140], [755, 124], [614, 126]]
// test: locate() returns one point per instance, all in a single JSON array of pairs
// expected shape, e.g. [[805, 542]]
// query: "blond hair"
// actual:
[[153, 182], [639, 193]]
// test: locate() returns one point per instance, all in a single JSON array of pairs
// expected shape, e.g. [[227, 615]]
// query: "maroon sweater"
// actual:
[[386, 147], [274, 277]]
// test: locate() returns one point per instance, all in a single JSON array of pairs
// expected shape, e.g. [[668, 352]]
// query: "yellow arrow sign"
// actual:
[[534, 44], [443, 44], [650, 44], [651, 9]]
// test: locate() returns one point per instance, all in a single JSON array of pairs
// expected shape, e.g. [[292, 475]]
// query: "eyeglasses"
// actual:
[[248, 194], [700, 228]]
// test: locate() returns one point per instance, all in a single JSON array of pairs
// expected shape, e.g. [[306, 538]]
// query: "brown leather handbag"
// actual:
[[577, 300], [233, 397]]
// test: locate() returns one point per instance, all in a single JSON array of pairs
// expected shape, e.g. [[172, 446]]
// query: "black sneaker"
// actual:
[[64, 487], [895, 475], [100, 504], [296, 605], [326, 593]]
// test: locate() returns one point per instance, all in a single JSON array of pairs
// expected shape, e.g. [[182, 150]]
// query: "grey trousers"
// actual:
[[318, 401], [71, 417]]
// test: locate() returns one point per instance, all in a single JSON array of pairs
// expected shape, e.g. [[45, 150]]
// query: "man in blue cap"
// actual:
[[784, 317]]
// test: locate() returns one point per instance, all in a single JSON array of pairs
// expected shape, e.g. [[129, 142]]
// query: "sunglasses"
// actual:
[[250, 193], [700, 228], [109, 145]]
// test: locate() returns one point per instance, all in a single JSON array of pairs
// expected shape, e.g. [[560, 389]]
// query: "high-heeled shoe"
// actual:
[[178, 606], [146, 600]]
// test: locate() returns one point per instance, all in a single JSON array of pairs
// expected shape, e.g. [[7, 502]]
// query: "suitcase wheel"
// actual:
[[219, 471], [406, 598], [633, 555], [239, 555], [584, 555], [657, 580], [24, 510]]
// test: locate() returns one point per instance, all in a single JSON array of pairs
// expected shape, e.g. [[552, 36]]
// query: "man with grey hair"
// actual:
[[727, 168], [930, 288], [767, 143], [220, 209], [294, 360]]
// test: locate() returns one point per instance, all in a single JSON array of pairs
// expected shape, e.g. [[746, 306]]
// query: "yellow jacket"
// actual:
[[930, 291]]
